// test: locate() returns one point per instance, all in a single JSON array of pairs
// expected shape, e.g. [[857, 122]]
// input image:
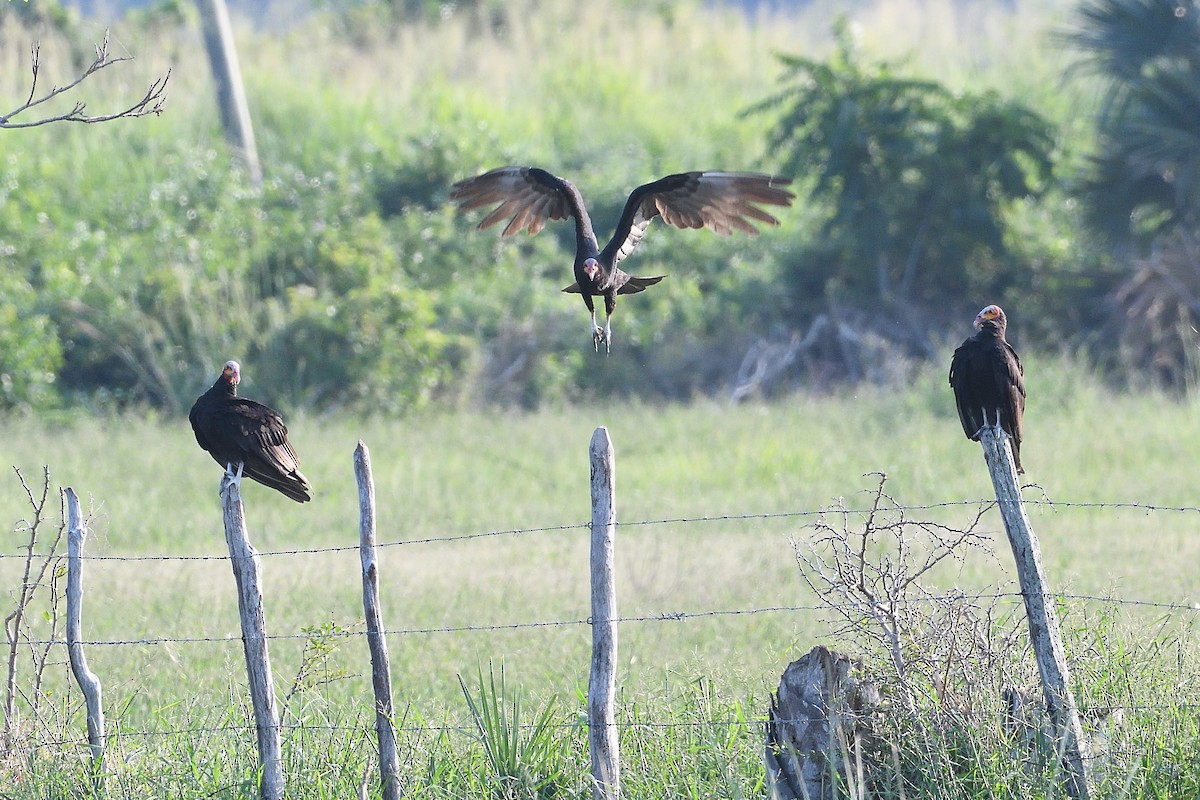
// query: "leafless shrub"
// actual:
[[872, 575], [151, 102], [842, 345], [43, 568]]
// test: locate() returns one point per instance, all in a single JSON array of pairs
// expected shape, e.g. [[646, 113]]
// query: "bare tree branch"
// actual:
[[871, 577], [152, 101]]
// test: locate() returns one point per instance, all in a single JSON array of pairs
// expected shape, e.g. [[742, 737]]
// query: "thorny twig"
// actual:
[[152, 101], [15, 627], [871, 576]]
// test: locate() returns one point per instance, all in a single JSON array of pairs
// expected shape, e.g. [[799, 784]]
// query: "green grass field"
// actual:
[[153, 493], [482, 513]]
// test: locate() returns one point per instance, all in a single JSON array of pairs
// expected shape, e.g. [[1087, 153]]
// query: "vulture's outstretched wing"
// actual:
[[720, 201], [530, 196]]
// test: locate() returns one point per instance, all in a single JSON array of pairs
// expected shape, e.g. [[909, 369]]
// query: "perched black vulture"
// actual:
[[720, 201], [988, 380], [247, 438]]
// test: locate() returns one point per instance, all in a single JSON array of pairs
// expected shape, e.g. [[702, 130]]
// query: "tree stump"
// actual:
[[819, 722]]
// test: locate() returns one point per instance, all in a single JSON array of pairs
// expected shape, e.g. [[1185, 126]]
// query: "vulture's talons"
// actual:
[[233, 476]]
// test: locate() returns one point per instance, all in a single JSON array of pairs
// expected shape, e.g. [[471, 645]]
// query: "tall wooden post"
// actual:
[[1043, 622], [247, 572], [231, 95], [602, 724], [92, 691], [381, 670]]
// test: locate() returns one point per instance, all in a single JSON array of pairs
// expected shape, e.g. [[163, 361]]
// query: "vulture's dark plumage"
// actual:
[[247, 438], [988, 380], [528, 197]]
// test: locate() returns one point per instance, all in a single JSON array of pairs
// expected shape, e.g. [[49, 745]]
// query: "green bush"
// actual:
[[138, 256]]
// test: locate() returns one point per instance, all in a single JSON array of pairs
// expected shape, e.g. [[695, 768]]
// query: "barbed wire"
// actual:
[[749, 724], [745, 725], [664, 616], [704, 518]]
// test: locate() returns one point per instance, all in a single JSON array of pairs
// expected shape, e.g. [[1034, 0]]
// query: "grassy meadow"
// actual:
[[482, 511], [519, 599]]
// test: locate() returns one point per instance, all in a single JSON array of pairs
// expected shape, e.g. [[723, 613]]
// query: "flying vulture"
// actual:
[[988, 380], [720, 201], [247, 438]]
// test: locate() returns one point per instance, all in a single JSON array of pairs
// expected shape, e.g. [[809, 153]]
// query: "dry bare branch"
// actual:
[[152, 101], [871, 575], [40, 571]]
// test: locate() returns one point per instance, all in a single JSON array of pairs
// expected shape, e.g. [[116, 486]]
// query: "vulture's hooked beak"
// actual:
[[989, 314]]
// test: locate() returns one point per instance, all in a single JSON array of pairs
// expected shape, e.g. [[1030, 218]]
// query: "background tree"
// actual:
[[1142, 188], [1145, 175], [917, 179], [30, 350]]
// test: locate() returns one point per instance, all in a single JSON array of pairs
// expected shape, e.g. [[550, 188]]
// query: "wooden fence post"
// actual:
[[816, 727], [88, 682], [381, 669], [602, 725], [1043, 622], [247, 573], [231, 94]]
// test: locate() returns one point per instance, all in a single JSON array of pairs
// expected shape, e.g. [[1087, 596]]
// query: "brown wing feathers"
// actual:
[[720, 201], [236, 431], [529, 196]]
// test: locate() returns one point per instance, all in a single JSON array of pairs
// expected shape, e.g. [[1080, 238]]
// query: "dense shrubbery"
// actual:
[[134, 258]]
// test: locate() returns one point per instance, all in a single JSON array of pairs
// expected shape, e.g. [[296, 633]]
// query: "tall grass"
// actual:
[[690, 687], [693, 688]]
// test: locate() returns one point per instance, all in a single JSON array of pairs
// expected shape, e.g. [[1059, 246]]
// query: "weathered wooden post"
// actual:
[[381, 670], [602, 724], [1043, 622], [231, 95], [818, 721], [247, 572], [88, 682]]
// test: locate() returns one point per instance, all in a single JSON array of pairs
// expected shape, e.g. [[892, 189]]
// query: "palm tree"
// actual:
[[1145, 177], [1143, 189]]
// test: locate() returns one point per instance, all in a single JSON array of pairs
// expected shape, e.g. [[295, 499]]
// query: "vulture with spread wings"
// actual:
[[720, 201], [247, 438], [989, 382]]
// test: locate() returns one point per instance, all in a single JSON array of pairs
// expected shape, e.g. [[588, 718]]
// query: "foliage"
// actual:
[[30, 349], [524, 758], [1145, 178], [916, 177], [347, 283], [1141, 190]]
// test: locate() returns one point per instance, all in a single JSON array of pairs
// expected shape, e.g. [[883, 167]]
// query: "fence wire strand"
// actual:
[[664, 616], [750, 725], [1053, 505]]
